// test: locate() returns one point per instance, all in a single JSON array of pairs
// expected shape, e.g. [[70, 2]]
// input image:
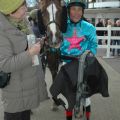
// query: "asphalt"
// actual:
[[102, 108], [113, 61]]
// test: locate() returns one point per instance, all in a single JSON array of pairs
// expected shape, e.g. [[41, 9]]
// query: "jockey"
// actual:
[[78, 37]]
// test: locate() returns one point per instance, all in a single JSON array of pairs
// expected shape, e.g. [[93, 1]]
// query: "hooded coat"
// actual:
[[27, 87]]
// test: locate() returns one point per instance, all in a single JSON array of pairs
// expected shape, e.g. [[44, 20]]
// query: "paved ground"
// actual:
[[102, 108], [113, 62]]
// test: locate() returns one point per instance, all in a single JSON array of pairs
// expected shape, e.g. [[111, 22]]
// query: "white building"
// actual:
[[106, 9], [103, 3]]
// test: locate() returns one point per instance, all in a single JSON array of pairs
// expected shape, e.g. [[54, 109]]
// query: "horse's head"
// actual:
[[51, 11]]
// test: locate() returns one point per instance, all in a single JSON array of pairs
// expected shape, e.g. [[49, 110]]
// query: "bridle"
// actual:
[[47, 34], [53, 21]]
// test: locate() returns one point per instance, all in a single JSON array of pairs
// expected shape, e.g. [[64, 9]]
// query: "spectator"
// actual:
[[114, 42], [34, 22], [26, 88], [100, 33], [109, 23]]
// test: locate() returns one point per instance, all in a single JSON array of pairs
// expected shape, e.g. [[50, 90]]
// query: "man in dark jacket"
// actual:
[[100, 33]]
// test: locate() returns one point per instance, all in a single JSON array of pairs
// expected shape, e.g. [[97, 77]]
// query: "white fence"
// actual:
[[109, 37]]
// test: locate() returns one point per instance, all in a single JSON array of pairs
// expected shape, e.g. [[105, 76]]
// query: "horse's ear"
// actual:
[[40, 23], [64, 19]]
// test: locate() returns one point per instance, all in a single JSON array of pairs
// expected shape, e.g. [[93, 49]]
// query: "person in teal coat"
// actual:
[[78, 36]]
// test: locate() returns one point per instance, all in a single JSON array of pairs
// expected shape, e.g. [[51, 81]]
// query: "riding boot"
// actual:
[[69, 115], [69, 118], [87, 112]]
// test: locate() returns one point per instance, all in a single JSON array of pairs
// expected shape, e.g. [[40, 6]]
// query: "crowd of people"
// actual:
[[105, 23]]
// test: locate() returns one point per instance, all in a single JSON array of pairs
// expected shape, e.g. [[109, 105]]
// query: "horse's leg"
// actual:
[[53, 64], [54, 73]]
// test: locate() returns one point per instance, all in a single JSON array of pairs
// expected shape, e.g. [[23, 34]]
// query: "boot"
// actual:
[[69, 115]]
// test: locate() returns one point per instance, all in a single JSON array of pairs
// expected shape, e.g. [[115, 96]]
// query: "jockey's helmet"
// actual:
[[80, 3]]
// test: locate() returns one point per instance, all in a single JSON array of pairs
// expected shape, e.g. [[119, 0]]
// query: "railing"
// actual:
[[109, 37]]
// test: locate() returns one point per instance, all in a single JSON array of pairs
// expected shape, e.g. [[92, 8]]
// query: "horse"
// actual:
[[51, 21]]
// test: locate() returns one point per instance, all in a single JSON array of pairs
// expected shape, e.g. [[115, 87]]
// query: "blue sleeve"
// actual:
[[92, 38]]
